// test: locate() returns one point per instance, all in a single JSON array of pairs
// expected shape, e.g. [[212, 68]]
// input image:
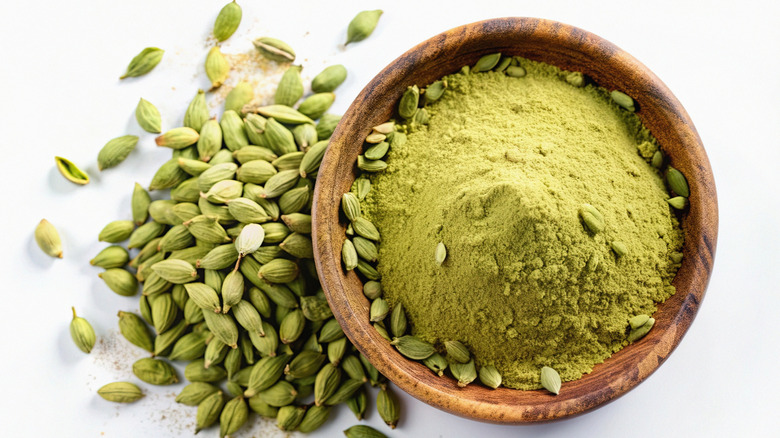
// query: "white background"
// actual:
[[61, 96]]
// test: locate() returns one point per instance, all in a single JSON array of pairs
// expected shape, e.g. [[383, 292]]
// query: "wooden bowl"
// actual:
[[572, 49]]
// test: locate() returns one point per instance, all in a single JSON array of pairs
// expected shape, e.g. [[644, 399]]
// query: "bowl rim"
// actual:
[[626, 368]]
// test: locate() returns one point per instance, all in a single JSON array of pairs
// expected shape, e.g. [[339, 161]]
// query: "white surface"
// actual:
[[61, 95]]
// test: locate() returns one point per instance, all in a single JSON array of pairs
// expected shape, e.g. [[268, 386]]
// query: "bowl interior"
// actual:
[[569, 48]]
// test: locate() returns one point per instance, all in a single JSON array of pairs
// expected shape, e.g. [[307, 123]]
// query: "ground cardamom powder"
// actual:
[[499, 175]]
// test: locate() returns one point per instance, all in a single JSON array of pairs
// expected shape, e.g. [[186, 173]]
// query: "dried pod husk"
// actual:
[[274, 49]]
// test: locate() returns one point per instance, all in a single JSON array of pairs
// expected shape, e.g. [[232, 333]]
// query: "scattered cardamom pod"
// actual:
[[290, 87], [329, 79], [155, 371], [48, 239], [177, 138], [70, 171], [197, 112], [120, 392], [363, 431], [363, 25], [441, 253], [143, 62], [240, 95], [217, 67], [148, 116], [593, 219], [388, 407], [226, 23], [115, 151], [209, 410], [135, 331], [82, 333], [120, 281], [274, 49]]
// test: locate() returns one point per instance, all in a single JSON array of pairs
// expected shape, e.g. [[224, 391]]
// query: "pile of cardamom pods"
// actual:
[[225, 265]]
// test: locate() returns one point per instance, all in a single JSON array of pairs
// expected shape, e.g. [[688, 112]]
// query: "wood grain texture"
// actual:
[[572, 49]]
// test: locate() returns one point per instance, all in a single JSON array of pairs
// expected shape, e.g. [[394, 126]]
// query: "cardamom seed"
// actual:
[[388, 407], [203, 296], [370, 165], [226, 24], [120, 392], [412, 347], [209, 410], [623, 100], [135, 331], [155, 371], [329, 79], [441, 253], [362, 26], [194, 393], [407, 107], [465, 373], [148, 116], [489, 376], [593, 219], [326, 125], [290, 87], [115, 151], [120, 281], [550, 380], [677, 182], [315, 105], [143, 62], [274, 49], [640, 332], [436, 363], [48, 239], [82, 333], [372, 290], [234, 415], [197, 112], [70, 171], [223, 327]]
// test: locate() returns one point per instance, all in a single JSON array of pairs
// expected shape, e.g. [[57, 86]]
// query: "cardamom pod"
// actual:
[[677, 202], [465, 373], [375, 138], [326, 125], [336, 350], [312, 159], [349, 255], [120, 281], [329, 79], [232, 290], [362, 26], [177, 138], [412, 347], [206, 229], [486, 63], [364, 228], [143, 62], [515, 71], [593, 219], [357, 403], [115, 151], [407, 106], [139, 203], [350, 205], [217, 173], [194, 393], [279, 271], [164, 312], [167, 176], [234, 415], [209, 142], [352, 366], [619, 248], [305, 136], [640, 332], [315, 308], [441, 253], [677, 182], [233, 132], [298, 222], [204, 297], [378, 151], [266, 373], [290, 160], [196, 371], [379, 310], [223, 327], [370, 165], [372, 290], [290, 87], [190, 346], [436, 363], [148, 116], [292, 326], [388, 407], [457, 352], [576, 79], [250, 239], [278, 137], [82, 333], [331, 331], [623, 100], [638, 321], [489, 376], [274, 49], [209, 410], [176, 239], [315, 417], [120, 392], [289, 417], [363, 431], [280, 394], [163, 341], [550, 380], [135, 331], [433, 92], [113, 256], [294, 200], [255, 172], [658, 159], [226, 24], [252, 153], [197, 112], [367, 270], [326, 383], [275, 232], [155, 371], [217, 67], [175, 271], [305, 364], [315, 105], [283, 114], [145, 234], [48, 239], [70, 171], [398, 320]]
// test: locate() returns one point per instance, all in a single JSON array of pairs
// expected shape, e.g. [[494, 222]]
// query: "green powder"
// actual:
[[499, 176]]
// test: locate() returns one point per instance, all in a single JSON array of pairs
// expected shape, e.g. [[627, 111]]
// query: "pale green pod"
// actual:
[[223, 327], [326, 125], [677, 182], [48, 239], [113, 256], [407, 106], [348, 255], [217, 67], [329, 79], [388, 407], [209, 410], [457, 352], [204, 297], [233, 132], [623, 100], [312, 159], [135, 331], [178, 138], [144, 62], [227, 22], [464, 373], [234, 415], [283, 114], [197, 112], [371, 165], [120, 392], [215, 174], [363, 25], [278, 138], [139, 203], [274, 49], [280, 183], [82, 333], [210, 140], [305, 136], [550, 380], [232, 290], [326, 383], [144, 234], [115, 151], [290, 160], [168, 175], [316, 105], [242, 94], [486, 63], [155, 371], [256, 172], [148, 117], [290, 87], [120, 281], [252, 152], [195, 392]]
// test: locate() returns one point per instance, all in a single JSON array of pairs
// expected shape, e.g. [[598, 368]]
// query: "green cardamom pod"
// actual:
[[436, 363], [298, 222], [375, 138], [48, 239], [349, 255], [457, 352], [217, 67], [363, 431], [207, 371], [120, 281], [222, 156], [550, 380], [177, 138], [232, 290], [298, 246], [677, 202], [120, 392], [315, 417], [362, 26], [363, 227], [70, 171], [190, 346], [638, 321], [162, 211], [331, 331], [576, 79], [336, 350], [265, 345], [370, 165], [155, 371], [167, 176], [378, 151], [326, 383], [380, 328], [373, 374], [177, 238], [194, 393], [623, 100], [281, 394], [116, 150], [164, 312], [139, 203], [226, 24], [223, 327], [398, 320], [658, 159], [280, 183], [149, 250], [365, 248], [209, 142], [345, 391], [619, 248], [176, 271], [82, 333], [134, 329], [197, 112], [489, 376], [260, 301], [677, 182], [283, 114], [290, 87], [233, 132], [217, 173], [407, 106], [261, 408], [294, 200], [289, 417], [357, 403], [250, 239], [167, 339], [465, 373], [279, 138], [274, 49], [412, 347], [593, 219], [214, 279], [379, 310], [196, 370], [279, 270], [310, 162], [372, 290], [148, 116], [266, 373], [143, 62], [113, 256], [275, 232], [154, 284], [433, 92], [145, 234], [326, 125], [350, 205], [315, 105], [640, 332], [206, 229], [292, 326], [193, 314], [486, 63], [209, 410], [329, 79], [388, 407], [248, 317], [305, 364], [252, 153], [315, 308], [204, 297], [255, 172], [290, 160], [234, 416]]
